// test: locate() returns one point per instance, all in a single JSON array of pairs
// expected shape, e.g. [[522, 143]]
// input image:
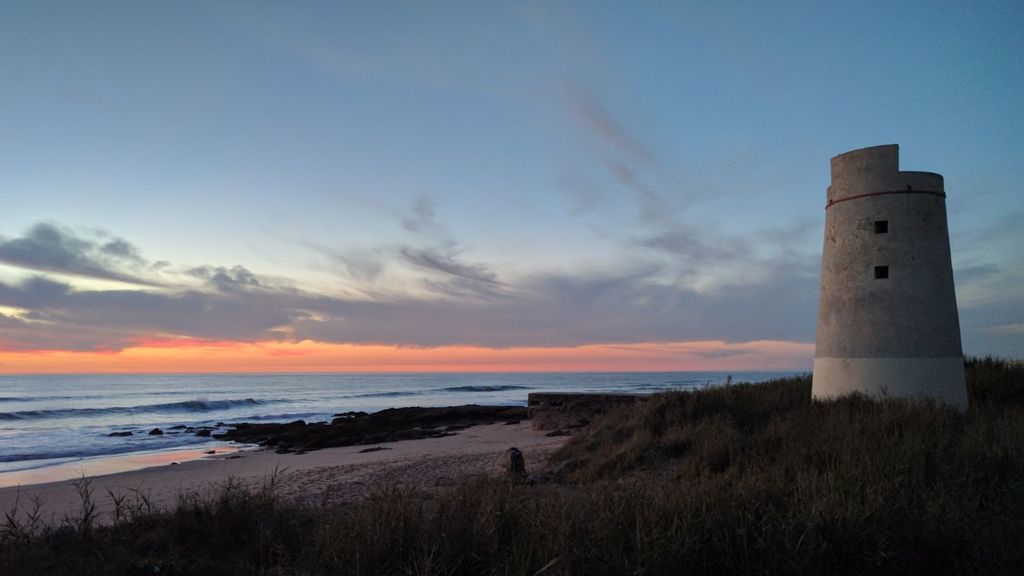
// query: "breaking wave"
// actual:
[[198, 405], [467, 388]]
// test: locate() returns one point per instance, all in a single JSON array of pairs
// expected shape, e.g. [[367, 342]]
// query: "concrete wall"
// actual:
[[900, 335]]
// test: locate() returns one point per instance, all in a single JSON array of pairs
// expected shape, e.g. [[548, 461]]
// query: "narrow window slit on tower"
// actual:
[[881, 272], [881, 226]]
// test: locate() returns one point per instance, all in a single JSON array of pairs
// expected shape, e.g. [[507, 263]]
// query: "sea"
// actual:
[[66, 421]]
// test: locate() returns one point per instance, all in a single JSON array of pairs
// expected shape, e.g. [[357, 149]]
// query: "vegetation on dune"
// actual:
[[995, 382], [852, 486], [744, 479]]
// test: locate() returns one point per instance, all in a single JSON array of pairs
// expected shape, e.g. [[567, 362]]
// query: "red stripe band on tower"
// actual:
[[854, 197]]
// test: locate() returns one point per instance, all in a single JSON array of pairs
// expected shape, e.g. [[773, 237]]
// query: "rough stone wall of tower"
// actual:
[[887, 318]]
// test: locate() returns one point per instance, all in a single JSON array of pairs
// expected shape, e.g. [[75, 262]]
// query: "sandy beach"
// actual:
[[334, 474]]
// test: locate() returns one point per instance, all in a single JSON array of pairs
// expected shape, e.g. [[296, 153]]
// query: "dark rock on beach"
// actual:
[[120, 434], [515, 464], [347, 415], [203, 433], [356, 428], [156, 432]]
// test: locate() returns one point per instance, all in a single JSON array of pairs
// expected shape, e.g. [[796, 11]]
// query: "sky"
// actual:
[[319, 186]]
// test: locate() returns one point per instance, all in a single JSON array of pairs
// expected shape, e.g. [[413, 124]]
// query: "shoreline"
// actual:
[[342, 429], [107, 464], [337, 474]]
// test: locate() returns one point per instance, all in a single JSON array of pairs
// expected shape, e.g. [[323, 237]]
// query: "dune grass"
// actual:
[[995, 381], [853, 486], [744, 479]]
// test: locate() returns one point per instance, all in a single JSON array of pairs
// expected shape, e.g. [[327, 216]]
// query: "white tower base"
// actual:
[[939, 378]]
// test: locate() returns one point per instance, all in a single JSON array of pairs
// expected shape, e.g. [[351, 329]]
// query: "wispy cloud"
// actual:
[[364, 266], [446, 262], [421, 218], [467, 305], [430, 256], [440, 253], [234, 279], [692, 252], [625, 302], [50, 248], [62, 317], [592, 112]]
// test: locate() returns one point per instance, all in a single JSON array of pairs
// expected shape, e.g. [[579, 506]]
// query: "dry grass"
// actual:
[[995, 382]]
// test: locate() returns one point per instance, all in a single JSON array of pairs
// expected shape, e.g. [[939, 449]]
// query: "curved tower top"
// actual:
[[876, 171]]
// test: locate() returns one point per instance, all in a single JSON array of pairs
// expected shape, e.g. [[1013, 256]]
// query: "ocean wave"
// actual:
[[289, 417], [388, 394], [466, 388], [47, 398], [72, 453], [198, 405], [482, 388]]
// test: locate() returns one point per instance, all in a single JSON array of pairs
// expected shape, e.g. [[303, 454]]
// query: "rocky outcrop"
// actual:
[[357, 428]]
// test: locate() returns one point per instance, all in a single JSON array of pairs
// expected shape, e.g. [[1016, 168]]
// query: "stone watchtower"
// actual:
[[887, 320]]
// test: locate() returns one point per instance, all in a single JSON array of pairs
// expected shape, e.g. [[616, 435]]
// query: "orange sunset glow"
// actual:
[[190, 356]]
